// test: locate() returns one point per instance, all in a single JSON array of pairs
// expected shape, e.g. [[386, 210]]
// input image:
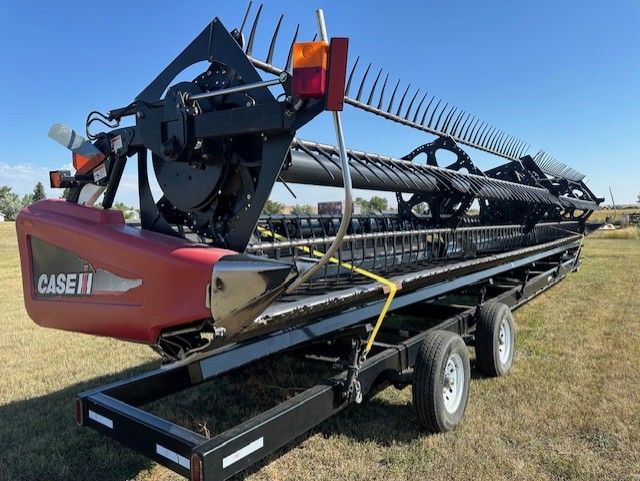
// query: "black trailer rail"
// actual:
[[448, 304]]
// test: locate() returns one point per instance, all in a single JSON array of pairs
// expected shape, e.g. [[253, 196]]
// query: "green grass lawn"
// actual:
[[569, 409]]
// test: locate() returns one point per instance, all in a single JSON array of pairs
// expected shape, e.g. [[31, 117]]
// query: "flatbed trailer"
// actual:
[[213, 284], [518, 276]]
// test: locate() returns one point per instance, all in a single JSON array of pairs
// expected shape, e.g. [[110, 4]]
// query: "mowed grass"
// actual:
[[569, 409]]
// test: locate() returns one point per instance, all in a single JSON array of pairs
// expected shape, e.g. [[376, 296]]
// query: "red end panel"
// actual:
[[84, 270], [337, 73]]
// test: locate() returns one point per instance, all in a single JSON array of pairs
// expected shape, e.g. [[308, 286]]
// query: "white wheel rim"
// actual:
[[505, 341], [453, 383]]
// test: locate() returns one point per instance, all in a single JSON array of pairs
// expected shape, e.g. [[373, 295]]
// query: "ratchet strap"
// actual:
[[389, 288]]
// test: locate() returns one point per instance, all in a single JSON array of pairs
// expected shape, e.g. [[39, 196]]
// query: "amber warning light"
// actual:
[[319, 70]]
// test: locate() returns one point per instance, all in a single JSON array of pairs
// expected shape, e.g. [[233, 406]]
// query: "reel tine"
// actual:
[[373, 89], [434, 113], [502, 144], [402, 100], [475, 138], [290, 56], [315, 36], [424, 116], [272, 46], [516, 148], [246, 15], [496, 139], [458, 127], [483, 138], [406, 115], [508, 145], [252, 35], [497, 143], [491, 142], [484, 135], [393, 95], [454, 127], [440, 116], [353, 69], [415, 117], [472, 125], [525, 148], [447, 120], [492, 139], [384, 86], [362, 83]]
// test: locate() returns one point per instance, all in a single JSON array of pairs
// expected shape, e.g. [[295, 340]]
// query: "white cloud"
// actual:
[[22, 178]]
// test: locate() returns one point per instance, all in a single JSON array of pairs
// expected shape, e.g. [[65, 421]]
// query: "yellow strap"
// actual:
[[392, 286]]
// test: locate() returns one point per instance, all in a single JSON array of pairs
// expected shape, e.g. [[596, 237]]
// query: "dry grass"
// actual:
[[570, 408], [614, 216], [625, 233]]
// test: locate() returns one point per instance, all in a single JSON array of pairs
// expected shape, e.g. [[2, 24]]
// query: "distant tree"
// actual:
[[38, 192], [65, 193], [374, 204], [127, 211], [27, 199], [302, 209], [638, 198], [378, 203], [10, 203], [273, 207]]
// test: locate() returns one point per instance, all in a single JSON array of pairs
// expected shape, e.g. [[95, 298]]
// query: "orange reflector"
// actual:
[[85, 164], [310, 54], [55, 179], [310, 69]]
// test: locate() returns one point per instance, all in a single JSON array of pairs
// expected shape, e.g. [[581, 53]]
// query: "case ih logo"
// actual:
[[60, 272], [69, 284]]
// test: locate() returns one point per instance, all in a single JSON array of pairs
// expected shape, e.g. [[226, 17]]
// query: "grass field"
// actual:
[[569, 409], [613, 215]]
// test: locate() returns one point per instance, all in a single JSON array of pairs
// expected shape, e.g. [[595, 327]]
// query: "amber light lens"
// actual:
[[310, 69]]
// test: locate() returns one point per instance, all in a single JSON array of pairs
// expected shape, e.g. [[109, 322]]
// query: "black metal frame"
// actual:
[[114, 409]]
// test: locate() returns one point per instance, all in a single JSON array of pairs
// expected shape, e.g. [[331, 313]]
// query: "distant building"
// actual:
[[336, 207], [1, 217]]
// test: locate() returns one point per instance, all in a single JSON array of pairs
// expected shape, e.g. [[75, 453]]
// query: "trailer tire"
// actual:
[[441, 381], [495, 339]]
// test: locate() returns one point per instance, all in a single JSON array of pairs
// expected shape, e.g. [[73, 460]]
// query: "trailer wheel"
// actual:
[[441, 381], [495, 339]]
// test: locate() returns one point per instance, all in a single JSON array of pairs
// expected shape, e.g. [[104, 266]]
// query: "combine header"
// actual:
[[212, 284]]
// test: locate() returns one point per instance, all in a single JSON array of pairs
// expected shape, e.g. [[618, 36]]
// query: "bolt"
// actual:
[[140, 115]]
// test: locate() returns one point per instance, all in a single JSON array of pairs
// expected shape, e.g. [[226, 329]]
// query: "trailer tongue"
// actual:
[[212, 283]]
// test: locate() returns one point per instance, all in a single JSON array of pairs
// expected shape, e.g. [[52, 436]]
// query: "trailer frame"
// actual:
[[115, 409]]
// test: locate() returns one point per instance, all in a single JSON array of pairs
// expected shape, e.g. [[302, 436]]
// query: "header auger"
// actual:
[[213, 284]]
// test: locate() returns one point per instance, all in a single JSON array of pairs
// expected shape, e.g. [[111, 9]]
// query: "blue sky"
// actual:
[[562, 75]]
